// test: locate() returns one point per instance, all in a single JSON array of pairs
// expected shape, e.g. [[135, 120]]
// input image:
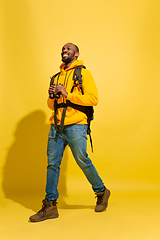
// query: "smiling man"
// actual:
[[69, 54], [68, 98]]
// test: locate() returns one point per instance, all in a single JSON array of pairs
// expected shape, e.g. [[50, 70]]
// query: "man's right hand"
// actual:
[[51, 89]]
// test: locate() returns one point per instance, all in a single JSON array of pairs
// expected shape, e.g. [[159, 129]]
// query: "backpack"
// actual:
[[88, 110]]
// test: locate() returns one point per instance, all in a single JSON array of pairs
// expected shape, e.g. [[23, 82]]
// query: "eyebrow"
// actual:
[[70, 46]]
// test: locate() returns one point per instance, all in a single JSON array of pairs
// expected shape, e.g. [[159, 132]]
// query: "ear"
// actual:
[[76, 54]]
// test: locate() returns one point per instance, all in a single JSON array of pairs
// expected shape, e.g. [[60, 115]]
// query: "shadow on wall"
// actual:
[[25, 170], [24, 177]]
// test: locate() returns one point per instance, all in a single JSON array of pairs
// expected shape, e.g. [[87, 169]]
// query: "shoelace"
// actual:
[[99, 199], [43, 210]]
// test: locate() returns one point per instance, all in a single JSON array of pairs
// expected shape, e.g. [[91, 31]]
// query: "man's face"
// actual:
[[69, 53]]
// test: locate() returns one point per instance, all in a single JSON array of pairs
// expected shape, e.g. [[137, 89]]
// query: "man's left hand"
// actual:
[[60, 88]]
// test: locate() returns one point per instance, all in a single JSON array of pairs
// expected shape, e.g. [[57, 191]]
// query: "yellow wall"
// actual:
[[119, 44]]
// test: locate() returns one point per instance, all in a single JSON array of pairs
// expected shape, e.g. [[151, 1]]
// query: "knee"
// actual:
[[84, 163], [53, 166]]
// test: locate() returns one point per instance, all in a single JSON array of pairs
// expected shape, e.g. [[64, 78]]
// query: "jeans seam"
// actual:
[[58, 164]]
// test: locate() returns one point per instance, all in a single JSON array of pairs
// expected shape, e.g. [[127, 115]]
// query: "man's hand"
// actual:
[[56, 89], [51, 89], [60, 88]]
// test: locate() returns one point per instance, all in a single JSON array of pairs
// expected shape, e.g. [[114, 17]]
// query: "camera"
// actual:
[[57, 95]]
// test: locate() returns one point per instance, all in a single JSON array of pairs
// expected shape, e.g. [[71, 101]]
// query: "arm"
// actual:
[[90, 96]]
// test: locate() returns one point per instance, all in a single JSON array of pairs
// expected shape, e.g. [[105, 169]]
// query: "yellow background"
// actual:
[[119, 44]]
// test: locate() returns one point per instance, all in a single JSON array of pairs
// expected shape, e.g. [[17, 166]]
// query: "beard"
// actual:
[[68, 59]]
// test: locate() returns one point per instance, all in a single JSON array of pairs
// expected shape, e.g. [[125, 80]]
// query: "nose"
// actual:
[[64, 49]]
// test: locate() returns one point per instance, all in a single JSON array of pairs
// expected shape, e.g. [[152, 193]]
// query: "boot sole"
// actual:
[[45, 218]]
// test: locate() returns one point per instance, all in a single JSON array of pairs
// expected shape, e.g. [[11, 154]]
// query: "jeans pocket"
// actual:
[[82, 130], [84, 133]]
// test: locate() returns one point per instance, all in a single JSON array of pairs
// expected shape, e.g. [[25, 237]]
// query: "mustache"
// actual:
[[64, 53]]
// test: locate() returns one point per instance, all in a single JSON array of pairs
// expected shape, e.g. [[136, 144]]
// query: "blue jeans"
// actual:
[[75, 136]]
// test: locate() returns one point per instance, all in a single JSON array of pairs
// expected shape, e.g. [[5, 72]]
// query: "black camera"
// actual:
[[57, 95]]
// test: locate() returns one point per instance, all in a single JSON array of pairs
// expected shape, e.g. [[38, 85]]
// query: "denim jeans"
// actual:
[[75, 136]]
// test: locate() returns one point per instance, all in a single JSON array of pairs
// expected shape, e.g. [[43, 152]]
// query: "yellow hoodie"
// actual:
[[89, 98]]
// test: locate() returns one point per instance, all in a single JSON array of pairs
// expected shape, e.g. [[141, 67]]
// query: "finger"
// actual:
[[51, 87]]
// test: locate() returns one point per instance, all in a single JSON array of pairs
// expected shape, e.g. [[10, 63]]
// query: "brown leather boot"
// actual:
[[102, 200], [48, 211]]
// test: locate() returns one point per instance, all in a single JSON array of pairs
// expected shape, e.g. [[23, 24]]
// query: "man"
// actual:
[[72, 132]]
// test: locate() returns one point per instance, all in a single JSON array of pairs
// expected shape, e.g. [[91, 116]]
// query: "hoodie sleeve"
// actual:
[[90, 96], [50, 103]]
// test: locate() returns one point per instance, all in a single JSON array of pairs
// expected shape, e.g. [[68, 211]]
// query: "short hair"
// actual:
[[75, 46]]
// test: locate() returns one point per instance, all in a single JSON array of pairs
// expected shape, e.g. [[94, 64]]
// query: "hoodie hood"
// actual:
[[72, 66]]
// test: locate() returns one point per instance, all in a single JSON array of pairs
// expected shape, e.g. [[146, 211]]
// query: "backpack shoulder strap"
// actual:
[[53, 77], [77, 76]]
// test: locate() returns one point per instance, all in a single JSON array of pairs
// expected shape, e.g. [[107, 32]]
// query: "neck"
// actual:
[[68, 64]]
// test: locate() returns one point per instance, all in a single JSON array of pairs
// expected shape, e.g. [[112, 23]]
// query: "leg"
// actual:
[[76, 136], [55, 149]]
